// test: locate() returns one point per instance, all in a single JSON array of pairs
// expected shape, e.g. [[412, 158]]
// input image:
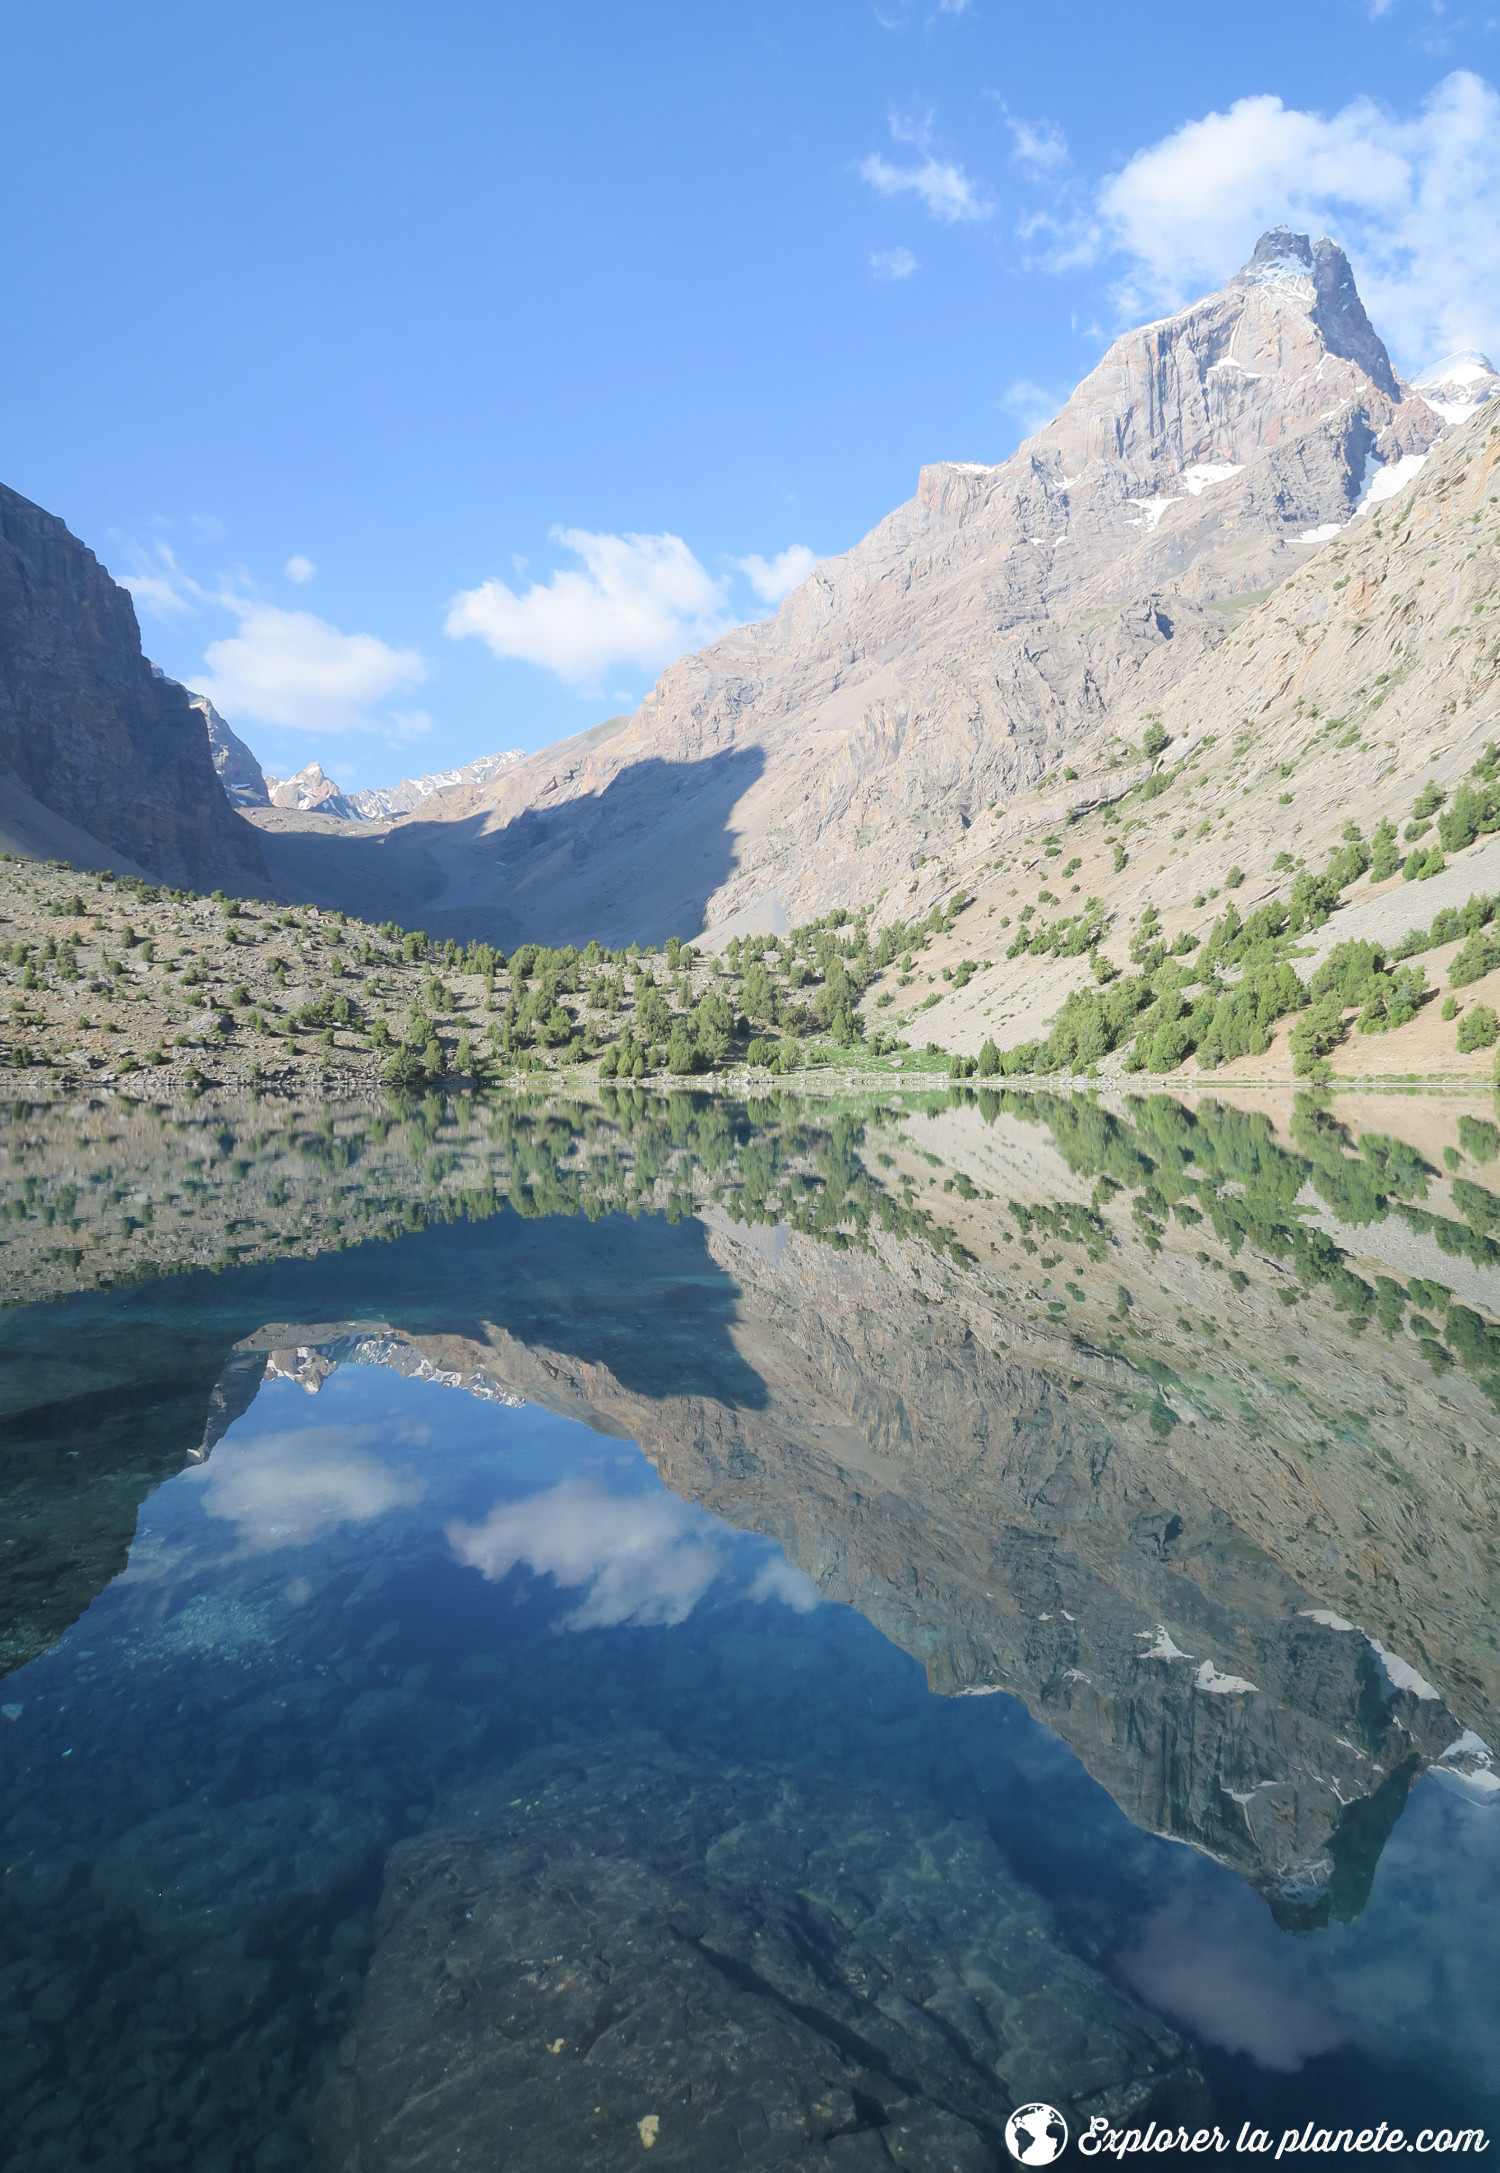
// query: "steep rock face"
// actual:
[[1367, 675], [86, 728], [1000, 619], [239, 772]]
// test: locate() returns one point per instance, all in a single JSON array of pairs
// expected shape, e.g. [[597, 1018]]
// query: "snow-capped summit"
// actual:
[[1323, 280], [1279, 254], [309, 790], [1460, 383]]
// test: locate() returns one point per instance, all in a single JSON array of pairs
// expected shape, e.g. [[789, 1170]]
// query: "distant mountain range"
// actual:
[[310, 791]]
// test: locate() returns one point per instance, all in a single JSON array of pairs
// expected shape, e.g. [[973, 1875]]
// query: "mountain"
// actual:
[[101, 760], [1008, 1543], [1455, 387], [309, 791], [383, 803], [1001, 623], [1363, 690], [239, 772]]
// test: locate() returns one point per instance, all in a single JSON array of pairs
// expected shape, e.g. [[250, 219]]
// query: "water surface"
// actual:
[[838, 1620]]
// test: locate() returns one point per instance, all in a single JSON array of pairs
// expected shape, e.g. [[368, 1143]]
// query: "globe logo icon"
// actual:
[[1036, 2134]]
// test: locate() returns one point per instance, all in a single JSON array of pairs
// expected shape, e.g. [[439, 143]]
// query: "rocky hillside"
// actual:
[[1007, 622], [1332, 749], [101, 760]]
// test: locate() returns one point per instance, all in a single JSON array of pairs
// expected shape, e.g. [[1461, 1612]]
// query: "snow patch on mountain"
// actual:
[[1223, 1686], [1204, 476], [1152, 510], [1383, 481]]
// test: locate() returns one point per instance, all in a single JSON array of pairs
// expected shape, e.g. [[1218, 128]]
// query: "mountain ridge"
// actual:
[[1003, 618]]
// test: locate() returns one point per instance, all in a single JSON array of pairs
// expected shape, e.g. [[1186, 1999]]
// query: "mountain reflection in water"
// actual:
[[1173, 1425]]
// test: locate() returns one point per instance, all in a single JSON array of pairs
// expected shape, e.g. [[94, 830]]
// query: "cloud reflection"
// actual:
[[779, 1580], [288, 1489], [645, 1558]]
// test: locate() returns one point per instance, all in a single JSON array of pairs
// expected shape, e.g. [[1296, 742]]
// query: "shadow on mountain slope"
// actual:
[[637, 861]]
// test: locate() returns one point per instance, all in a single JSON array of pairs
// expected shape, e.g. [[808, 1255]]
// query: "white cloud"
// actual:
[[944, 188], [646, 1558], [781, 1580], [287, 1489], [158, 593], [1413, 201], [914, 128], [774, 578], [292, 668], [299, 569], [283, 667], [1032, 405], [1038, 144], [1209, 1955], [892, 263], [641, 600], [158, 583]]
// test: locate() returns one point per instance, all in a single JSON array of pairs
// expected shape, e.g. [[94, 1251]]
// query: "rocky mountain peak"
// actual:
[[310, 789], [239, 772], [1279, 254], [1276, 351], [1322, 280], [1340, 317]]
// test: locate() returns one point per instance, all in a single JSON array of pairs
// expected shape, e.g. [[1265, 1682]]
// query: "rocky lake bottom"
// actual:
[[683, 1651]]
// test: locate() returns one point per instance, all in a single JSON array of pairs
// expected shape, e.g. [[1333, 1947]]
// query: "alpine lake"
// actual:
[[657, 1630]]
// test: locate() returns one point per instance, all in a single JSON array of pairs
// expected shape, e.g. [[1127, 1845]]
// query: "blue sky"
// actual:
[[436, 373]]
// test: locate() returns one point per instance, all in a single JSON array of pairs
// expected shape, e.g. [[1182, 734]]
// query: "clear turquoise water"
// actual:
[[367, 1600], [388, 1589]]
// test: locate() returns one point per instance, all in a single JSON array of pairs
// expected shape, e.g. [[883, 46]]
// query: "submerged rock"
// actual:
[[614, 1941], [254, 1873]]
